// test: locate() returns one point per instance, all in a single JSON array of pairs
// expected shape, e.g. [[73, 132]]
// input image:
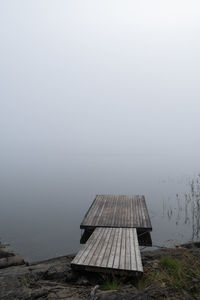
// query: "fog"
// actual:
[[95, 97]]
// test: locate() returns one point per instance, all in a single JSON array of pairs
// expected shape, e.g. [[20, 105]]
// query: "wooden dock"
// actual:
[[111, 225], [110, 249], [117, 211]]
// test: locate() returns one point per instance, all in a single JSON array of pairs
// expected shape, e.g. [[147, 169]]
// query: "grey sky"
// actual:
[[99, 77]]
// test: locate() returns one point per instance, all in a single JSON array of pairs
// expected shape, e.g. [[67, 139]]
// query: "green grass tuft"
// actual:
[[174, 266], [111, 284]]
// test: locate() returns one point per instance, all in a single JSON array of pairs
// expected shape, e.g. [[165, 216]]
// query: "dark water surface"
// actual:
[[44, 199]]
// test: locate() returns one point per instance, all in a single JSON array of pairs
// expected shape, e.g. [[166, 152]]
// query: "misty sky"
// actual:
[[96, 97], [99, 77]]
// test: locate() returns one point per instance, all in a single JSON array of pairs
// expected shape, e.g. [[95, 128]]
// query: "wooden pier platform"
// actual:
[[117, 211], [112, 225], [110, 250]]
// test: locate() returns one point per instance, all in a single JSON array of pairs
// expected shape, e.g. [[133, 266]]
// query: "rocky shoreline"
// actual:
[[168, 274]]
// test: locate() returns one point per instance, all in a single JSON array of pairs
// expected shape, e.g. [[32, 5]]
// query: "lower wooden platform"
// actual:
[[110, 250]]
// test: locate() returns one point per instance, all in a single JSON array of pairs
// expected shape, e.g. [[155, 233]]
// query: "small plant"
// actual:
[[173, 271], [173, 266], [111, 284]]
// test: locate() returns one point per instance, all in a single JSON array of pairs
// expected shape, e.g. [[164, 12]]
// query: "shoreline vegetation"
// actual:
[[185, 208], [169, 273]]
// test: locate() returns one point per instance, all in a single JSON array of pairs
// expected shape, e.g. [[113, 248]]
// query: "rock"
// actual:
[[11, 261], [8, 258], [43, 280], [187, 296], [109, 295], [52, 269], [5, 253], [93, 292], [72, 276], [119, 295], [191, 245], [83, 281]]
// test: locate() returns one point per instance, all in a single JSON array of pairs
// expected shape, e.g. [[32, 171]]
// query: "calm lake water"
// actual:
[[44, 198]]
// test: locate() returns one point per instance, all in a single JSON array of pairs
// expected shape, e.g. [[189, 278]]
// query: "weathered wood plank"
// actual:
[[123, 251], [92, 213], [128, 255], [107, 253], [137, 253], [98, 248], [103, 248], [96, 244], [132, 251], [84, 248], [87, 250], [113, 250], [113, 223], [101, 202], [118, 250]]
